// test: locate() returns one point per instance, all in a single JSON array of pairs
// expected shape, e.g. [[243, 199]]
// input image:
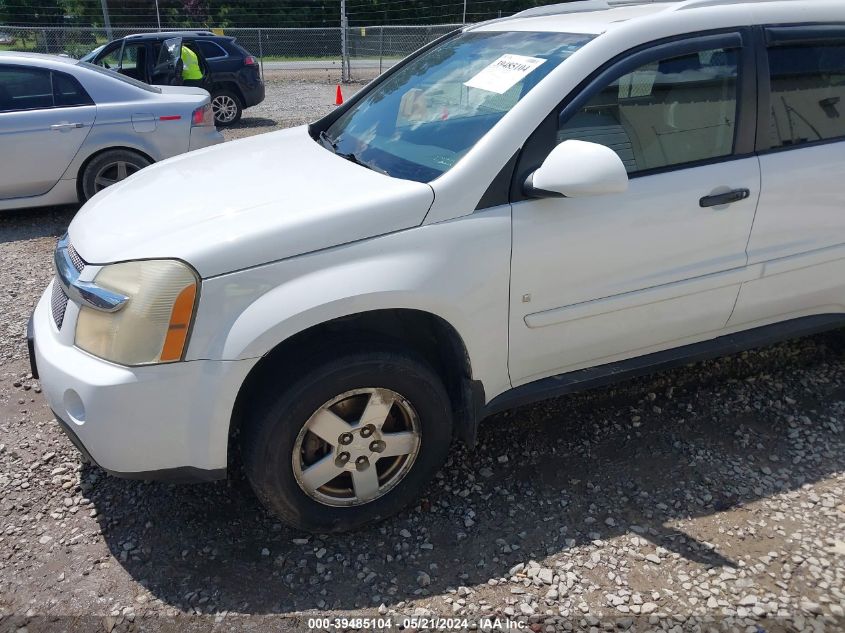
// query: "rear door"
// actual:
[[798, 241], [44, 119], [168, 67]]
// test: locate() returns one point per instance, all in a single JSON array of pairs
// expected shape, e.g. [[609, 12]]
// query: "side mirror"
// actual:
[[577, 168]]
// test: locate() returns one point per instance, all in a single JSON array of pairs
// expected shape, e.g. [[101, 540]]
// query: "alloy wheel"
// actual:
[[112, 173], [224, 108], [356, 447]]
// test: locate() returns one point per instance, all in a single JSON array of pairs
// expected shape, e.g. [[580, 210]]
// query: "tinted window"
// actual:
[[669, 112], [67, 91], [210, 49], [25, 88], [234, 45], [808, 93]]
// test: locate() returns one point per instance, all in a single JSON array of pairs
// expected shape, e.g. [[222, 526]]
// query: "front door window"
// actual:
[[668, 112]]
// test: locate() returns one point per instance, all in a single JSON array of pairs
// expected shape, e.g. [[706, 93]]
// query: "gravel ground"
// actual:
[[706, 498]]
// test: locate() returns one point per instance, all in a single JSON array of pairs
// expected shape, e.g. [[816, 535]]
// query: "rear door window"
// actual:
[[67, 91], [808, 93], [24, 88]]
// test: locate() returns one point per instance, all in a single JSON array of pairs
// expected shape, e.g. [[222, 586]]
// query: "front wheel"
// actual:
[[353, 441], [227, 108]]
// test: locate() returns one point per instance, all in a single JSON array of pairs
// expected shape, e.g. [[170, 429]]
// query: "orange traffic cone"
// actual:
[[338, 98]]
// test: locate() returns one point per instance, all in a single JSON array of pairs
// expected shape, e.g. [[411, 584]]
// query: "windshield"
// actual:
[[89, 57], [420, 121], [123, 78]]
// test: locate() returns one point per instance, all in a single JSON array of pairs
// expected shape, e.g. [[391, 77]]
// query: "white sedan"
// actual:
[[69, 129]]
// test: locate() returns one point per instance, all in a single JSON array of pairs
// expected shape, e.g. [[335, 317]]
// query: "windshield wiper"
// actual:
[[353, 158], [327, 140]]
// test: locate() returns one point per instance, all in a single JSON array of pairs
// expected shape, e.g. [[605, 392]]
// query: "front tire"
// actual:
[[353, 441], [227, 108]]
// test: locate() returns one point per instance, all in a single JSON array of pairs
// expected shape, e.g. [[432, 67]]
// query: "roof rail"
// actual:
[[697, 4], [566, 7], [582, 6], [174, 32]]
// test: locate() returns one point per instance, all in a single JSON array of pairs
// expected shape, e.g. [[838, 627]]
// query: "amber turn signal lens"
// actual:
[[180, 321]]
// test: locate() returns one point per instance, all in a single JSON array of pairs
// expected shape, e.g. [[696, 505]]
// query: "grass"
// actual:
[[326, 58], [33, 46], [28, 47], [296, 58]]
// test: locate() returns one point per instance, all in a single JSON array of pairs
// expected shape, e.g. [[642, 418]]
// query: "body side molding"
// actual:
[[610, 373]]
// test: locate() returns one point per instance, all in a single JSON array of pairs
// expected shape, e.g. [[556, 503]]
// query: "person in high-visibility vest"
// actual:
[[191, 70]]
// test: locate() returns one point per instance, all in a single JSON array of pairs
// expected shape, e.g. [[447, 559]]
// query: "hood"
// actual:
[[245, 203]]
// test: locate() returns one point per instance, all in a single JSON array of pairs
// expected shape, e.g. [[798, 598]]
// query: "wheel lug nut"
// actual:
[[377, 446], [341, 459], [362, 463], [345, 438], [368, 430]]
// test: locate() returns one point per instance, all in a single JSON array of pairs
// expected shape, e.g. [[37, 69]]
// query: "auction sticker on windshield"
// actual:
[[504, 73]]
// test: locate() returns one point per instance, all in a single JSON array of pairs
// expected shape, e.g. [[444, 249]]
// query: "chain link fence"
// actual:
[[386, 45], [370, 48]]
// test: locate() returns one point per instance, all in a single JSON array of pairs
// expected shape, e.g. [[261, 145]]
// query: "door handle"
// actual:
[[66, 126], [735, 195]]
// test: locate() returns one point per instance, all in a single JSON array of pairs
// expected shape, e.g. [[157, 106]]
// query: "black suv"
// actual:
[[230, 73]]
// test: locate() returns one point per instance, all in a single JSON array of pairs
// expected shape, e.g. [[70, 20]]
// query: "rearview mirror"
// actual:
[[577, 168]]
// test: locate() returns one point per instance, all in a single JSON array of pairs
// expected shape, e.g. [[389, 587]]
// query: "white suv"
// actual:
[[525, 207]]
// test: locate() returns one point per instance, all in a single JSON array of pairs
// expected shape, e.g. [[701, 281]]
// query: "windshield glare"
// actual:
[[420, 121]]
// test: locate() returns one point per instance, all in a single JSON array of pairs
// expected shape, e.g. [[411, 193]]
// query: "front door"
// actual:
[[44, 119], [167, 70], [600, 279]]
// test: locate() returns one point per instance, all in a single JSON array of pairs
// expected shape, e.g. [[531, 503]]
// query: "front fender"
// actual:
[[313, 299], [457, 271]]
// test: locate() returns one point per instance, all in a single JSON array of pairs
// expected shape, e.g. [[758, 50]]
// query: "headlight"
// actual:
[[152, 326]]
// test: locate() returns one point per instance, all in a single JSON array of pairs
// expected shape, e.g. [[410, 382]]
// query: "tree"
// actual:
[[31, 12], [253, 13]]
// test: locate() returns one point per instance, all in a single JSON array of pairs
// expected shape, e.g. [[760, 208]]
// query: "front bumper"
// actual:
[[166, 421]]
